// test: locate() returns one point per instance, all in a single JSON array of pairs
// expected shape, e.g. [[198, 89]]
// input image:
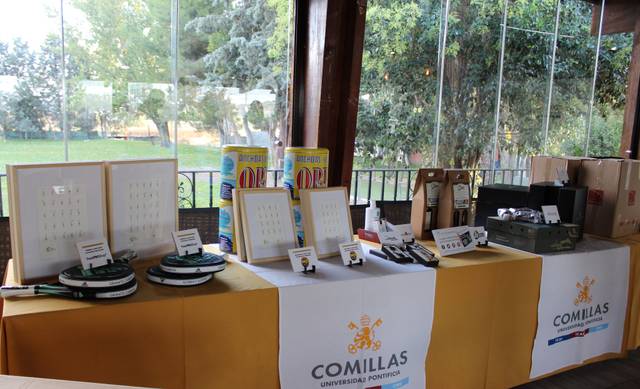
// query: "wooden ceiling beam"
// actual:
[[619, 16]]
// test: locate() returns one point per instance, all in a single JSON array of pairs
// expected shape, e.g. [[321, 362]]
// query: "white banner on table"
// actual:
[[582, 307], [363, 333]]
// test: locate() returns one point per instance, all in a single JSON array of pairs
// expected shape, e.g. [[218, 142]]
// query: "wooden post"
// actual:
[[331, 81], [629, 146]]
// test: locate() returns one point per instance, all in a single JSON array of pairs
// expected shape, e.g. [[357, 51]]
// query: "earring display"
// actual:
[[266, 224], [52, 207], [327, 219], [142, 205]]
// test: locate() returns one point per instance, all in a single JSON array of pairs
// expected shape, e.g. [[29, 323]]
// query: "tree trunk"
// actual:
[[163, 130], [245, 125]]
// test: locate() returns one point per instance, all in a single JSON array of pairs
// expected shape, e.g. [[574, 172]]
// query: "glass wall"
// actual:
[[508, 79], [398, 92], [143, 79]]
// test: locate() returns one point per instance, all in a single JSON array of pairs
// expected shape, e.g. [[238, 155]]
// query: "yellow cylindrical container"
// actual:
[[305, 168], [242, 167], [226, 231]]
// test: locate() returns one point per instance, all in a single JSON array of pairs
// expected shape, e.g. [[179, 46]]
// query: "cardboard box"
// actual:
[[495, 196], [455, 199], [543, 168], [426, 198], [613, 206], [534, 238]]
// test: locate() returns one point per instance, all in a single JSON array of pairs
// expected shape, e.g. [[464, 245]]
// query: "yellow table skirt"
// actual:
[[224, 334], [632, 328]]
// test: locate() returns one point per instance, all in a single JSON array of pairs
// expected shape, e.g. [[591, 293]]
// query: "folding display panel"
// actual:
[[142, 205], [326, 218], [52, 207], [266, 224]]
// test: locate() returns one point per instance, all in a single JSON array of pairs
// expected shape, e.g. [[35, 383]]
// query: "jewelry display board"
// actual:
[[326, 219], [142, 205], [268, 226], [52, 207]]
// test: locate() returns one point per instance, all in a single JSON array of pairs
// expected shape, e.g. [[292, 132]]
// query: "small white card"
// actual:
[[187, 242], [562, 175], [454, 240], [351, 253], [551, 214], [391, 238], [405, 231], [433, 193], [478, 234], [461, 196], [303, 259], [94, 253]]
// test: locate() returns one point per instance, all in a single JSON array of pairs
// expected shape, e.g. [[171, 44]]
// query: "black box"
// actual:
[[571, 201], [534, 238], [492, 197]]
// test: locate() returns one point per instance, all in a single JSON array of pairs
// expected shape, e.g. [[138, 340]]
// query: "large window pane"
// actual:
[[470, 84], [398, 89], [525, 85], [233, 82], [610, 94], [30, 83], [119, 90], [573, 79]]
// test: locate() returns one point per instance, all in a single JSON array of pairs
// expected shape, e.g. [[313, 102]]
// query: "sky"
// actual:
[[33, 20]]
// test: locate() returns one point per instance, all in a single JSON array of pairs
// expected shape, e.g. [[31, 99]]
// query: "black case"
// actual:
[[571, 201], [492, 197], [534, 238]]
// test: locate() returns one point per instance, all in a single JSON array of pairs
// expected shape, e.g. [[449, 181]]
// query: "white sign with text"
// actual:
[[582, 307]]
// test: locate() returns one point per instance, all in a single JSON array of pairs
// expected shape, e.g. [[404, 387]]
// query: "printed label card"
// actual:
[[454, 240], [551, 214], [303, 259], [351, 253], [94, 253], [187, 242]]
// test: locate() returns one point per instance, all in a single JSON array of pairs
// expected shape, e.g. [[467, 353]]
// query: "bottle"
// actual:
[[372, 217]]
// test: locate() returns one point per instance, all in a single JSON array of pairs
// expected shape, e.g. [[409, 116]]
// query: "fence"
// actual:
[[200, 188]]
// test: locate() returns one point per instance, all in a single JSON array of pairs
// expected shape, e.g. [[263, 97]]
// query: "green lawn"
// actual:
[[27, 151], [189, 157]]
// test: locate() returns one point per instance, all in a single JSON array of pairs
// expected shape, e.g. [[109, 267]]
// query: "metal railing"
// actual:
[[200, 188]]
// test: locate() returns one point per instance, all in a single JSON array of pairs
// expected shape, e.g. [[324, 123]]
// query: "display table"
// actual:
[[632, 332], [225, 333], [484, 320]]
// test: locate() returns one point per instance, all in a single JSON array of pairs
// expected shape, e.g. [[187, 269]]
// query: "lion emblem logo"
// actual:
[[365, 337], [584, 291]]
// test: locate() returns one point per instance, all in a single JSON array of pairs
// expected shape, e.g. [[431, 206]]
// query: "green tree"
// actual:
[[129, 41], [399, 80], [246, 50]]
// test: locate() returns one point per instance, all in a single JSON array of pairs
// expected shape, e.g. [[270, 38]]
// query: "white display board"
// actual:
[[143, 205], [53, 207], [326, 219], [268, 226]]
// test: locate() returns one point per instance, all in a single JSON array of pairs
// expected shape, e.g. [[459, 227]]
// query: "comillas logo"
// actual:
[[579, 320], [365, 337], [584, 291], [365, 370]]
